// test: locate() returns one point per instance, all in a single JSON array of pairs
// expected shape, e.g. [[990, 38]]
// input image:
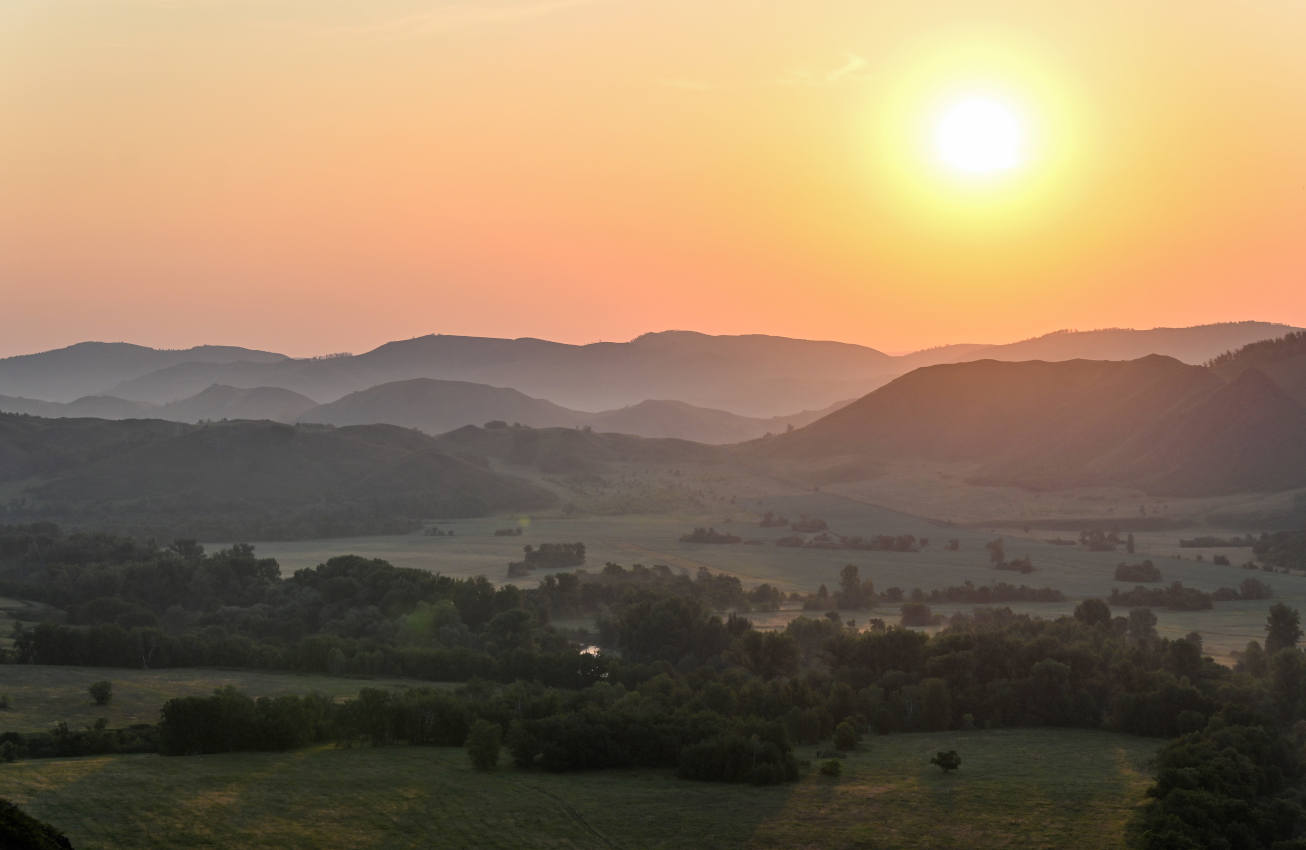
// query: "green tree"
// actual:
[[1142, 625], [483, 743], [852, 593], [1092, 612], [1282, 628], [948, 760], [101, 692]]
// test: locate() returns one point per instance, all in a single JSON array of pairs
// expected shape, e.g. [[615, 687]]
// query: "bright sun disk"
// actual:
[[980, 135]]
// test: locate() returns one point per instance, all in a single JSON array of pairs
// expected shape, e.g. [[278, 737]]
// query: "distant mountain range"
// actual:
[[215, 403], [427, 405], [753, 376], [1153, 423], [93, 368]]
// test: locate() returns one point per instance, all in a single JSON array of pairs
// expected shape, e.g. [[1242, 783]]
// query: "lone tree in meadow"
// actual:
[[1282, 628], [846, 736], [101, 692], [948, 760], [483, 743]]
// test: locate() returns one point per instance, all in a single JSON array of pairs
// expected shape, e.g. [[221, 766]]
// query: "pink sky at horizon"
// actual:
[[311, 176]]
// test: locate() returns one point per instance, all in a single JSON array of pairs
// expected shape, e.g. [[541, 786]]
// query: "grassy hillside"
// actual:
[[1013, 790]]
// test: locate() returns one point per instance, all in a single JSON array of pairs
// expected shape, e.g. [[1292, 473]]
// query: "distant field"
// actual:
[[653, 539], [41, 696], [1014, 790]]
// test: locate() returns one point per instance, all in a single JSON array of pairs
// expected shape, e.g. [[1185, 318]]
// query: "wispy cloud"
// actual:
[[852, 68]]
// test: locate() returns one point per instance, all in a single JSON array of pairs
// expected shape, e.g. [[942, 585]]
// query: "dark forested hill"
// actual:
[[1155, 423], [256, 480]]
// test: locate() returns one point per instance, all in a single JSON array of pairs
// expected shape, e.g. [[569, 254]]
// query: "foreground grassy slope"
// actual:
[[41, 696], [1016, 788]]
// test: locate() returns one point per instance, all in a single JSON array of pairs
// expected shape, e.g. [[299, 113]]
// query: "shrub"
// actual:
[[846, 736], [833, 767], [947, 760], [101, 692]]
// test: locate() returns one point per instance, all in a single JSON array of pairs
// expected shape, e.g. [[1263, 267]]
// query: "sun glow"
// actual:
[[980, 135]]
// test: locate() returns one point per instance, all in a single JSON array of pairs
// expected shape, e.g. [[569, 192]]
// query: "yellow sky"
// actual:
[[310, 176]]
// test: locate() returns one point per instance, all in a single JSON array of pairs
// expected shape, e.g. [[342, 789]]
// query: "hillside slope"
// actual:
[[1154, 423], [250, 480]]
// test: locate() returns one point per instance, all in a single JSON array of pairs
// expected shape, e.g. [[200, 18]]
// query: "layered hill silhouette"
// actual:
[[215, 403], [1154, 423], [247, 480], [91, 368], [439, 406], [1194, 345], [427, 405], [755, 375]]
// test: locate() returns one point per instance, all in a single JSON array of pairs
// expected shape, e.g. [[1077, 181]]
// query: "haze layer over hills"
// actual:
[[427, 405], [1152, 424], [754, 376]]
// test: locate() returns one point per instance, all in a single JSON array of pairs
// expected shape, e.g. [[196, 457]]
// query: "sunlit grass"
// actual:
[[1016, 788]]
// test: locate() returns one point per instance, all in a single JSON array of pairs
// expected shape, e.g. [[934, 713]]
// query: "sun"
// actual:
[[980, 135]]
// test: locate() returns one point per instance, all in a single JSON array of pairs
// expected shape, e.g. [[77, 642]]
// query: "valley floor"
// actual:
[[1026, 788]]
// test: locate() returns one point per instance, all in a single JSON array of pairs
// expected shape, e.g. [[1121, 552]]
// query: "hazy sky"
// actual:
[[313, 176]]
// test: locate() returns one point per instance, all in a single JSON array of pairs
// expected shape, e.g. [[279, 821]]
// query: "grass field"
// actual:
[[41, 696], [1014, 790]]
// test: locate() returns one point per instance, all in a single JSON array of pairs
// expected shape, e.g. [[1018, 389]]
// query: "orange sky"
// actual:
[[315, 175]]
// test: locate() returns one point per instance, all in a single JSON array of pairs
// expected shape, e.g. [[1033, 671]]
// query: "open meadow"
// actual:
[[474, 549], [1014, 790]]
